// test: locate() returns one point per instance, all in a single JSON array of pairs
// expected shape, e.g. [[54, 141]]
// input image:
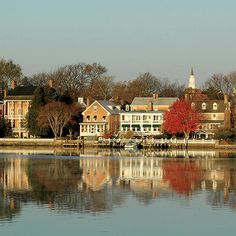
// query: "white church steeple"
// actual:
[[191, 82]]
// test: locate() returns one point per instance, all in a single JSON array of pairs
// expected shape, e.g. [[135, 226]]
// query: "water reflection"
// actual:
[[95, 184]]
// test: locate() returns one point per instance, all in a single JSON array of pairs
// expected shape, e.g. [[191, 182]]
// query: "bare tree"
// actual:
[[221, 84], [76, 78], [100, 88], [55, 115]]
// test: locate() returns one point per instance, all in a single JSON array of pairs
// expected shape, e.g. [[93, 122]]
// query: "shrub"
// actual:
[[225, 134]]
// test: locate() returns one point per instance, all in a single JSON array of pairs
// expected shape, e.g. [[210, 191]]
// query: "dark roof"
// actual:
[[221, 106], [109, 106], [22, 91]]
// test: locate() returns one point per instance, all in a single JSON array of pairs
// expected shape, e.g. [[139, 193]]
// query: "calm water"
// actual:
[[117, 193]]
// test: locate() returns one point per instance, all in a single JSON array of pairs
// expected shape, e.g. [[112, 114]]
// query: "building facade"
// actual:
[[100, 118], [214, 115], [154, 103], [145, 115], [143, 123], [16, 105]]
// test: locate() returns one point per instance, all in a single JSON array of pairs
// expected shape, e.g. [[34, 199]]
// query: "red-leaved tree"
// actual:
[[181, 118]]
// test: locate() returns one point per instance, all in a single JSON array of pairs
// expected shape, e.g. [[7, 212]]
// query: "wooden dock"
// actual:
[[73, 143]]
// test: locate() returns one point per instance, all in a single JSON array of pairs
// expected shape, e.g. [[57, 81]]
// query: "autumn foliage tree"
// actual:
[[181, 118], [55, 115]]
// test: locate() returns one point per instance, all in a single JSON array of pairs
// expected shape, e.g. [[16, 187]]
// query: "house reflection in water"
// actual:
[[84, 184], [14, 175], [98, 172], [13, 180]]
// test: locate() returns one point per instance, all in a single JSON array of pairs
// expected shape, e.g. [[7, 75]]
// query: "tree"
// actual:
[[8, 71], [181, 118], [76, 79], [219, 84], [170, 89], [100, 87], [5, 128], [55, 115], [42, 96]]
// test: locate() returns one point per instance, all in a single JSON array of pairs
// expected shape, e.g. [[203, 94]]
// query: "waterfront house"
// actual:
[[99, 119], [16, 105], [143, 123], [154, 103], [145, 115], [215, 114]]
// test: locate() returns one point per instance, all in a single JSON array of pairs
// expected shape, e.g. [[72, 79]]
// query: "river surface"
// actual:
[[108, 192]]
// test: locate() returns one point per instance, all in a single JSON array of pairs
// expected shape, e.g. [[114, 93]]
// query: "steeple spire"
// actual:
[[192, 71], [191, 82]]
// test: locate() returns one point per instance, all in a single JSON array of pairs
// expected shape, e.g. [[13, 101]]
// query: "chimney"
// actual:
[[5, 92], [13, 84], [186, 97], [150, 106], [88, 102], [50, 83], [155, 96], [80, 100], [226, 99]]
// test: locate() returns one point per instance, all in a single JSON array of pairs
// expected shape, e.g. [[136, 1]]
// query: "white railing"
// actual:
[[180, 141]]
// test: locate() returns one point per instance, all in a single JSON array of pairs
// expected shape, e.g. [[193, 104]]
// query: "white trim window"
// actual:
[[214, 106], [203, 106]]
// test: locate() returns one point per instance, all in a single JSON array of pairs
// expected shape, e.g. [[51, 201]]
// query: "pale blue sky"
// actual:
[[127, 36]]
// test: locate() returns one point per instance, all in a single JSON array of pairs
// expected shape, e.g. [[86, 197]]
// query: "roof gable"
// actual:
[[106, 105]]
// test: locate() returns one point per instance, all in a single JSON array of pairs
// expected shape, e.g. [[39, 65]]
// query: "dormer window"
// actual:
[[88, 118], [95, 118], [214, 106], [203, 106]]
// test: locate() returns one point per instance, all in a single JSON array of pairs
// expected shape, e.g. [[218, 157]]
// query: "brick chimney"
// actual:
[[226, 100], [150, 106], [88, 102], [155, 95], [4, 92], [13, 84]]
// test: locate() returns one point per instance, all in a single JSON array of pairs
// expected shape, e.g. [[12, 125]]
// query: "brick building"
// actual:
[[99, 118], [16, 105]]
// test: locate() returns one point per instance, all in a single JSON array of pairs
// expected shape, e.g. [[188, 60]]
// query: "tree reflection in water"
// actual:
[[98, 184], [182, 176]]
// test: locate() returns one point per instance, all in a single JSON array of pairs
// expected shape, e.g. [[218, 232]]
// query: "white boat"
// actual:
[[131, 145]]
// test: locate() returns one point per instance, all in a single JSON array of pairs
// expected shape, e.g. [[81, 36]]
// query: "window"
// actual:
[[95, 108], [203, 106], [214, 106], [88, 118], [104, 118], [95, 118]]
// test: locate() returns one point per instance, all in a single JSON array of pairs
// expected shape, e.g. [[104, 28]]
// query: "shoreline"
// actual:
[[77, 144]]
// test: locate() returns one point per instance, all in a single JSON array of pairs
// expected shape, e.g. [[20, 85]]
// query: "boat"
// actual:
[[131, 145]]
